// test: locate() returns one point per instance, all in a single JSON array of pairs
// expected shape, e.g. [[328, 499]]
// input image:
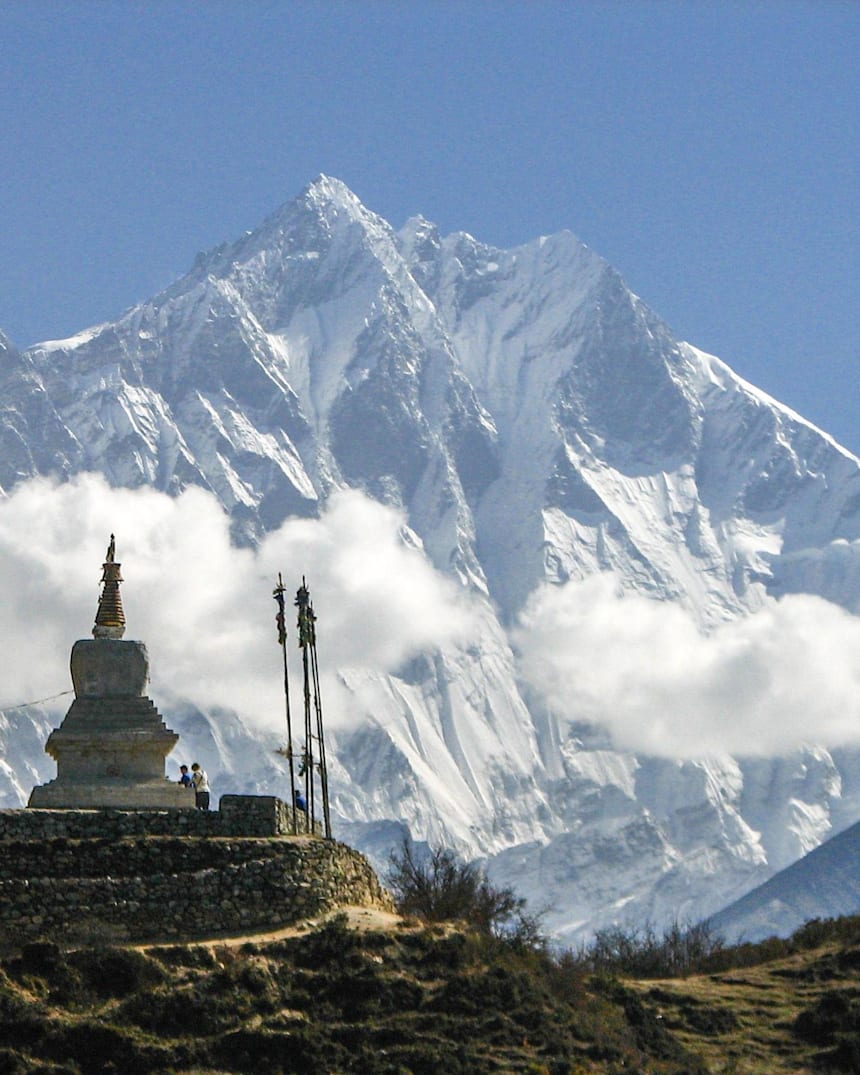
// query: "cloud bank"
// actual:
[[203, 607], [786, 675]]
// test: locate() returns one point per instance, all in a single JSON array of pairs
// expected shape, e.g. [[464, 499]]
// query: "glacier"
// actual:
[[537, 425]]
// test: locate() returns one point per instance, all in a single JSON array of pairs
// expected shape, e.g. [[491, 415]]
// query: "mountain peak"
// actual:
[[325, 199], [325, 189], [326, 210]]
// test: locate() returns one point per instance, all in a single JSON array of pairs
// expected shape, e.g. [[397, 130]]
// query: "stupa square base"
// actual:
[[154, 795]]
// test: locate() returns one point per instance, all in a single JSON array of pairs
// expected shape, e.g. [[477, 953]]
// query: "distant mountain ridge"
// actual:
[[537, 423], [823, 884]]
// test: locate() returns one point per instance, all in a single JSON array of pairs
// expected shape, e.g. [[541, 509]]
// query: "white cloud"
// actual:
[[785, 675], [763, 685], [204, 608]]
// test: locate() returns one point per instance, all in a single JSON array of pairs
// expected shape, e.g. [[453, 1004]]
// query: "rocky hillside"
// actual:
[[406, 999], [335, 1000]]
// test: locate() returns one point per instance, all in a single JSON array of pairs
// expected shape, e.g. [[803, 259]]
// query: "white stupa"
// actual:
[[111, 747]]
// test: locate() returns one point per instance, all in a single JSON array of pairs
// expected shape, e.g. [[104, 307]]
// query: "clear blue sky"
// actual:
[[708, 150]]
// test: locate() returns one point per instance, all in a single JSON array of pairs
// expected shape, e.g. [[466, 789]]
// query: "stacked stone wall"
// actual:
[[85, 876], [238, 815], [137, 856]]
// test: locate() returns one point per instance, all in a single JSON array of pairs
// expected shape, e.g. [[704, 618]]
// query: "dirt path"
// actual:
[[359, 918]]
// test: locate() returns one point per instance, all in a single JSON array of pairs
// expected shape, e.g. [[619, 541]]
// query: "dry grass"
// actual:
[[334, 999], [742, 1022], [373, 993]]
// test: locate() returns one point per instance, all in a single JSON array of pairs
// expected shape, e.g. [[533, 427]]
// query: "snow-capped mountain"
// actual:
[[537, 423]]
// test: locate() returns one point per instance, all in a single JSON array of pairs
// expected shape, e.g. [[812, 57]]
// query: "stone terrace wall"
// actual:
[[113, 884], [133, 856], [238, 815]]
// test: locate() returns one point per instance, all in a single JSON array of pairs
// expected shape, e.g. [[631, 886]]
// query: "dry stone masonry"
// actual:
[[89, 875], [111, 850]]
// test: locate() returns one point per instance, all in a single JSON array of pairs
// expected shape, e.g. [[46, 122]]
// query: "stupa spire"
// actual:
[[110, 618]]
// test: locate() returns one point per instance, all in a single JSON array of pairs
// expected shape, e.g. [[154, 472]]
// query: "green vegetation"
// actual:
[[679, 951], [777, 1007], [414, 999], [438, 887], [644, 953], [466, 985]]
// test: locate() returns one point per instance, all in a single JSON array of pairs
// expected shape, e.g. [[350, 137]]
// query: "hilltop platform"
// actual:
[[80, 876]]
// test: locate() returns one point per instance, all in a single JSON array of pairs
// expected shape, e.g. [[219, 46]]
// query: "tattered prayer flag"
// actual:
[[278, 595]]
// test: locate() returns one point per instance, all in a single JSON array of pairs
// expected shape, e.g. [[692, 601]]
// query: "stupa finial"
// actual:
[[110, 618]]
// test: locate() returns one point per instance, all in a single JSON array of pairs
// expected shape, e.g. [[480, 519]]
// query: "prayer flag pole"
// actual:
[[278, 594], [308, 642]]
